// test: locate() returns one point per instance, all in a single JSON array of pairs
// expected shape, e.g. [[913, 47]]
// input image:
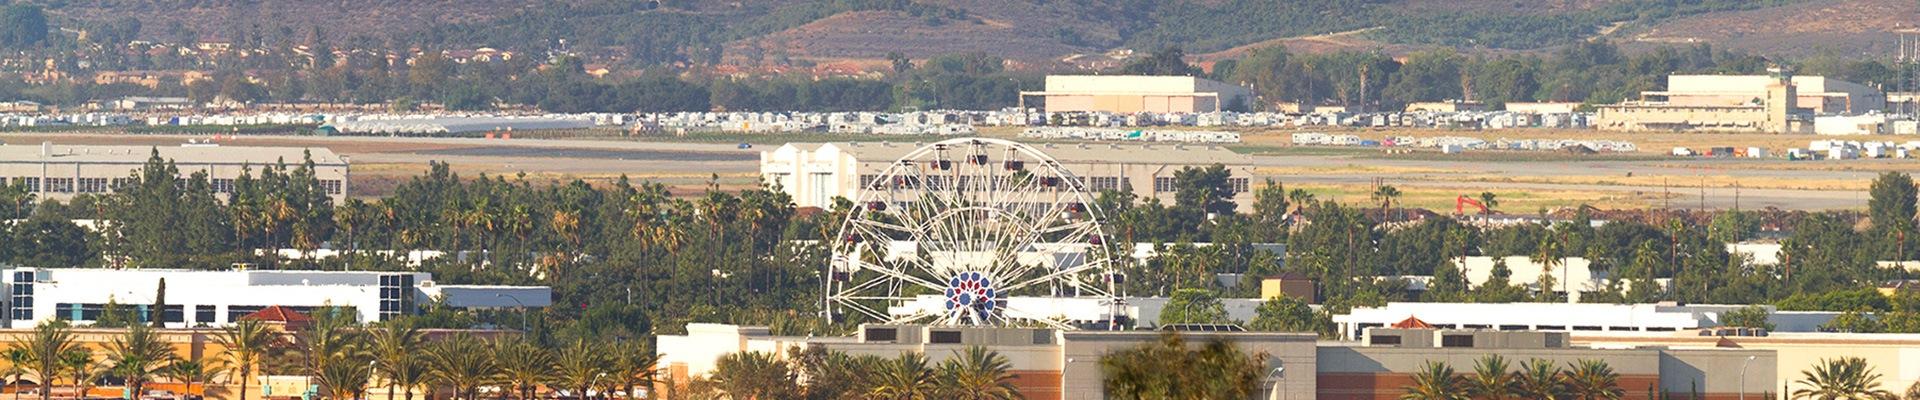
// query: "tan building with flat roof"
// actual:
[[59, 172], [1813, 94], [1127, 94], [1896, 357], [1713, 104]]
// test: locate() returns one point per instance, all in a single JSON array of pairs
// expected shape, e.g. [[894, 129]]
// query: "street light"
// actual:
[[523, 309], [1743, 377], [1277, 373]]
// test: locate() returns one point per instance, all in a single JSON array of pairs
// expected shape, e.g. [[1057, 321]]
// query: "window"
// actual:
[[945, 337], [222, 185], [1163, 184], [332, 186], [205, 314], [31, 183], [882, 334], [59, 185], [1104, 183], [1456, 341], [1239, 185], [1383, 340], [235, 312], [396, 295], [122, 184], [93, 185], [21, 309]]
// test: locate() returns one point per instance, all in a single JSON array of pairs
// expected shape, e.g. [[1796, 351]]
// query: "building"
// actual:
[[1580, 317], [1893, 355], [1054, 364], [1544, 107], [216, 298], [141, 103], [1775, 103], [1447, 106], [816, 173], [1128, 94], [1813, 94], [59, 172]]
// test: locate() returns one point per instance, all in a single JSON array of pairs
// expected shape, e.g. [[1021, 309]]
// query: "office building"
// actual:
[[217, 298], [59, 172]]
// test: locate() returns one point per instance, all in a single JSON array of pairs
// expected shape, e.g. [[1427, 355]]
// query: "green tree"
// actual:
[[1593, 380], [1165, 61], [1891, 208], [1285, 314], [1169, 369], [1539, 379], [581, 365], [754, 375], [46, 240], [137, 356], [247, 342], [1845, 378], [905, 378], [1492, 379], [1193, 306], [1436, 381], [45, 351], [1747, 317], [463, 363], [22, 25], [977, 374], [396, 348]]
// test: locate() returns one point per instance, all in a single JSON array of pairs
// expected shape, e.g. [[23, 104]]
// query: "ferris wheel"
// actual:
[[970, 232]]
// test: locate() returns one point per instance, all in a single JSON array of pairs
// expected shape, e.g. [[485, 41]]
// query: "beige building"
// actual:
[[1896, 357], [816, 173], [1446, 106], [1812, 94], [59, 172], [1128, 94], [1777, 103]]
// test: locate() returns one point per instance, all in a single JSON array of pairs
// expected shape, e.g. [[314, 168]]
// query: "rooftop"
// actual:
[[1079, 153], [183, 154]]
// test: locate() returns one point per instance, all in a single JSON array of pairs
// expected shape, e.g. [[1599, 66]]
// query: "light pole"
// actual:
[[1743, 377], [1275, 375], [523, 309]]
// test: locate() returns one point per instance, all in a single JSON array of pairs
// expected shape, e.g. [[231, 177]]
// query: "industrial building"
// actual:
[[1774, 103], [59, 172], [1055, 364], [216, 298], [1139, 93], [816, 173]]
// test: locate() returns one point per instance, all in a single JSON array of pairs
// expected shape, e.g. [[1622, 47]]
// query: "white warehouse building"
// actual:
[[215, 298]]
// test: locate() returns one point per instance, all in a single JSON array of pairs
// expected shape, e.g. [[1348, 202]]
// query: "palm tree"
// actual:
[[580, 366], [1385, 194], [1491, 379], [1845, 378], [977, 374], [394, 346], [1593, 380], [523, 364], [51, 341], [17, 362], [904, 378], [1538, 379], [1547, 254], [247, 342], [137, 356], [80, 364], [409, 375], [633, 366], [1490, 201], [753, 375], [1436, 381], [344, 380], [192, 372], [462, 362]]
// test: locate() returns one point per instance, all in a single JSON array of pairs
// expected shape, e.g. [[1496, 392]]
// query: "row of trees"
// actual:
[[1494, 377], [974, 373]]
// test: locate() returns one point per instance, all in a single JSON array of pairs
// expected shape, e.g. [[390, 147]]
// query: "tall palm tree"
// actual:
[[1547, 254], [247, 343], [904, 378], [79, 364], [522, 364], [1489, 200], [17, 362], [137, 355], [1845, 378], [1538, 379], [581, 367], [395, 344], [1436, 381], [344, 380], [191, 372], [462, 362], [409, 375], [977, 374], [1491, 379], [51, 341], [1593, 380], [1385, 194]]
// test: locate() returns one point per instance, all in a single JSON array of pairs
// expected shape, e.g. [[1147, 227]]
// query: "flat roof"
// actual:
[[187, 154], [1096, 153]]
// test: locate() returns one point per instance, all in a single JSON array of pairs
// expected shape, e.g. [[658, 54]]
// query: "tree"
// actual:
[[18, 361], [580, 366], [754, 375], [137, 355], [45, 351], [1193, 306], [1892, 209], [48, 241], [1491, 379], [1168, 369], [81, 368], [1845, 378], [396, 345], [1436, 381], [1165, 61], [1748, 317], [190, 373], [22, 25], [1593, 380], [1538, 379], [1489, 200], [247, 343], [461, 362], [977, 374], [1284, 314], [1385, 194], [904, 378], [523, 365], [633, 366]]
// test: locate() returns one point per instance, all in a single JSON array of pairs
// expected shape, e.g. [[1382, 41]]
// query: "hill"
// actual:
[[1034, 30]]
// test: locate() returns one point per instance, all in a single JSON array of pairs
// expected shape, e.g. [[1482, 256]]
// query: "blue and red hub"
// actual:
[[972, 290]]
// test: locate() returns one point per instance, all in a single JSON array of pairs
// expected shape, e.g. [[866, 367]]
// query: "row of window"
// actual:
[[1166, 184], [103, 185]]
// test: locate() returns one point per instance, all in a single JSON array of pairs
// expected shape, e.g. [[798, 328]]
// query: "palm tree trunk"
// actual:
[[390, 389], [243, 385]]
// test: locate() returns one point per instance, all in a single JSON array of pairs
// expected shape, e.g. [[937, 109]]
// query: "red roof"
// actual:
[[278, 314], [1412, 323]]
